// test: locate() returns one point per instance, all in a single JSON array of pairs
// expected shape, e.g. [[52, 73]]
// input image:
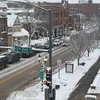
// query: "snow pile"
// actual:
[[40, 41]]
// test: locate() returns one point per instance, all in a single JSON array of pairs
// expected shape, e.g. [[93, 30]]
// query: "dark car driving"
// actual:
[[28, 55], [3, 62], [13, 57]]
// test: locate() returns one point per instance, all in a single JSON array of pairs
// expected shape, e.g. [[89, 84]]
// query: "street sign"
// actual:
[[21, 49], [42, 74], [18, 49], [26, 49]]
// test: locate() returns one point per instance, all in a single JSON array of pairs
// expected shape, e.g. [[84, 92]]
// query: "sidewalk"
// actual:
[[84, 83]]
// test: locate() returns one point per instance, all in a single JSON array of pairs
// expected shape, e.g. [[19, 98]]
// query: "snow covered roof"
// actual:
[[15, 11], [22, 33], [38, 0], [11, 19], [3, 5]]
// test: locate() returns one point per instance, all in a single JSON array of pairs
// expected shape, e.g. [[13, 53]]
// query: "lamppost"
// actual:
[[50, 37]]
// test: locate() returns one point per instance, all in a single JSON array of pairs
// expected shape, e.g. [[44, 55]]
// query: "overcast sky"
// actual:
[[70, 1]]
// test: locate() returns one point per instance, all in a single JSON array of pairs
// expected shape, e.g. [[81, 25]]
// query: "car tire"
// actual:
[[6, 65]]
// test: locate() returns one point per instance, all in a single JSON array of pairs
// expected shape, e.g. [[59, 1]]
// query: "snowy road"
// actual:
[[21, 74], [24, 63]]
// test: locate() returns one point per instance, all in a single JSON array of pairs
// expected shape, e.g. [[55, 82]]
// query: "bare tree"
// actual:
[[77, 44], [34, 25], [89, 42], [91, 33], [85, 40]]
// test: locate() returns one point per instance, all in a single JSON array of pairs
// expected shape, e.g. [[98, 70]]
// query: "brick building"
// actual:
[[3, 24], [64, 14], [88, 8], [60, 13]]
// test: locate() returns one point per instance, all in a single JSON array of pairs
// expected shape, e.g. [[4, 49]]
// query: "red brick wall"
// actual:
[[59, 15], [3, 23]]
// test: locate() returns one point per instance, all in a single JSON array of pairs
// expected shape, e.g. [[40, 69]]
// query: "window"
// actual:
[[61, 14], [54, 15], [10, 30], [64, 13], [4, 29], [57, 14], [61, 21], [17, 22]]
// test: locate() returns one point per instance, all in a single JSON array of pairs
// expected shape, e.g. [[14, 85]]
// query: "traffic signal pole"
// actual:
[[50, 41], [50, 54]]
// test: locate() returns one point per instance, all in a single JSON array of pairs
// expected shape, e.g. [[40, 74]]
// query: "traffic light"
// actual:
[[48, 76]]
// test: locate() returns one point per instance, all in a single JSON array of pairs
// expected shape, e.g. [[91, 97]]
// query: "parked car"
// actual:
[[61, 41], [65, 44], [46, 45], [56, 42], [13, 57], [3, 62], [37, 45]]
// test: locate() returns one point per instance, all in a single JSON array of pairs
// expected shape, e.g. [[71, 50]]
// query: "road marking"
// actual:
[[35, 71], [12, 76], [18, 73]]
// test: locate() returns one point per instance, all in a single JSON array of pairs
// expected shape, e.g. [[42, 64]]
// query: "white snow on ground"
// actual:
[[71, 79], [40, 41]]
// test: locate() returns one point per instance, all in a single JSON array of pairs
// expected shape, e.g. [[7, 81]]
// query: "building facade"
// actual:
[[14, 25], [60, 13], [88, 8], [3, 31], [3, 24], [16, 34], [65, 14]]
